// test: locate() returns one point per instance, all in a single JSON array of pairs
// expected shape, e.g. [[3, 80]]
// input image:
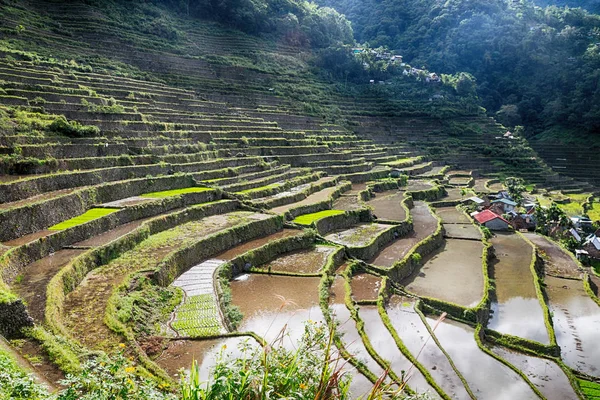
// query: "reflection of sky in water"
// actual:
[[410, 329], [488, 378], [577, 334], [545, 374], [384, 344], [521, 317]]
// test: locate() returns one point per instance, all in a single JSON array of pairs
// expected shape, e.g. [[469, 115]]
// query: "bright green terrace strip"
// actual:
[[175, 192], [591, 390], [308, 219], [90, 215]]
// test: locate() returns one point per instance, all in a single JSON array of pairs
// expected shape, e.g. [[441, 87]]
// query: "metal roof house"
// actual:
[[492, 221]]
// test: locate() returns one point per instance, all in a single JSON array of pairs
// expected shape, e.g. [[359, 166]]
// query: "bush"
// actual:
[[16, 384], [72, 129]]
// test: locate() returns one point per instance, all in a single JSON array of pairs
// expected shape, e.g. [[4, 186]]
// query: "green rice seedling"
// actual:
[[175, 192], [89, 215], [308, 219]]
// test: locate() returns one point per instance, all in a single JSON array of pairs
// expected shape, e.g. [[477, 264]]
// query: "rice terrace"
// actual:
[[260, 199]]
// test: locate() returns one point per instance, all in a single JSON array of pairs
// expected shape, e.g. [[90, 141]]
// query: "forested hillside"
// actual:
[[537, 67], [590, 5]]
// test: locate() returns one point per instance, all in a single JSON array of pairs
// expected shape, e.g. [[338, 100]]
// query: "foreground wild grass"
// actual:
[[312, 370], [89, 215]]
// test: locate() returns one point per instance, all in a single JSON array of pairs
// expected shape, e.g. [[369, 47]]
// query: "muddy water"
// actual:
[[312, 199], [559, 263], [357, 188], [85, 307], [414, 334], [271, 302], [453, 273], [488, 378], [354, 345], [383, 343], [516, 308], [450, 215], [576, 318], [337, 291], [182, 353], [35, 199], [35, 278], [256, 243], [424, 224], [388, 206], [365, 287], [462, 231], [307, 261], [359, 236], [544, 374], [28, 238], [347, 203]]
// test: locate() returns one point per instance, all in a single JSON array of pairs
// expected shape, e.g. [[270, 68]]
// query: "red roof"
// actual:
[[487, 216]]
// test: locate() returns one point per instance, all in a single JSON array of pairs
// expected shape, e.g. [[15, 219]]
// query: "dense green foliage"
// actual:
[[534, 66], [590, 5], [297, 21]]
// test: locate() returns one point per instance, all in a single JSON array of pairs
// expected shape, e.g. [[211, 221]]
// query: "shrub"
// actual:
[[72, 129]]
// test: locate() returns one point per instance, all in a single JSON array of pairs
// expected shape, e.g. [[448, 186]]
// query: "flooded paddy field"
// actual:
[[272, 303], [307, 261], [516, 307], [365, 287], [316, 197], [576, 319], [487, 377], [424, 224], [452, 215], [383, 343], [388, 206], [415, 336], [462, 231], [452, 273], [546, 375]]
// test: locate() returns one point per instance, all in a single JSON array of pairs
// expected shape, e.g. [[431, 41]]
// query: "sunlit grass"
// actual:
[[271, 186], [308, 219], [591, 390], [175, 192], [90, 215], [594, 212]]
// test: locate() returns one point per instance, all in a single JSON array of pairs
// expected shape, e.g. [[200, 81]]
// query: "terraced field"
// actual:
[[155, 196]]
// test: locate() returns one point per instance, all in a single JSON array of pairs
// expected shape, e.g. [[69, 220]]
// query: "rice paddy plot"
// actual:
[[452, 273], [175, 192], [88, 216]]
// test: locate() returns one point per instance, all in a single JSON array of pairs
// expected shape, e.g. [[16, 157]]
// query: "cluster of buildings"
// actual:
[[587, 238], [499, 212], [393, 59]]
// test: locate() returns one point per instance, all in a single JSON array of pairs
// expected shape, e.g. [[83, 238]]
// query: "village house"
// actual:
[[592, 246], [582, 222], [479, 203], [491, 221], [507, 205], [522, 221]]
